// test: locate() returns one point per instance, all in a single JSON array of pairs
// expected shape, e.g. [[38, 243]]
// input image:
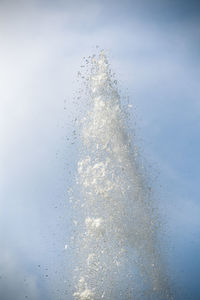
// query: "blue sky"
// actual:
[[154, 50]]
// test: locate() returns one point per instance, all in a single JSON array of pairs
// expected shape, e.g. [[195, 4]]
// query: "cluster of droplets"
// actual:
[[117, 251]]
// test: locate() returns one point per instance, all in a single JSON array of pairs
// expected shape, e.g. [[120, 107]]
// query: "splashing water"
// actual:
[[118, 254]]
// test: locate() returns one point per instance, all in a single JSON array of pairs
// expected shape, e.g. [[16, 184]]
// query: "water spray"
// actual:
[[117, 247]]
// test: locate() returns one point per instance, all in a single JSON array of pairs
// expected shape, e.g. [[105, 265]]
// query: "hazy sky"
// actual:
[[154, 50]]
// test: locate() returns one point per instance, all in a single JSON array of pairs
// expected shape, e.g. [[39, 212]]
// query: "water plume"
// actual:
[[117, 246]]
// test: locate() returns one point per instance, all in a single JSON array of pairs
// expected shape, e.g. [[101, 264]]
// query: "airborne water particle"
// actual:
[[118, 255]]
